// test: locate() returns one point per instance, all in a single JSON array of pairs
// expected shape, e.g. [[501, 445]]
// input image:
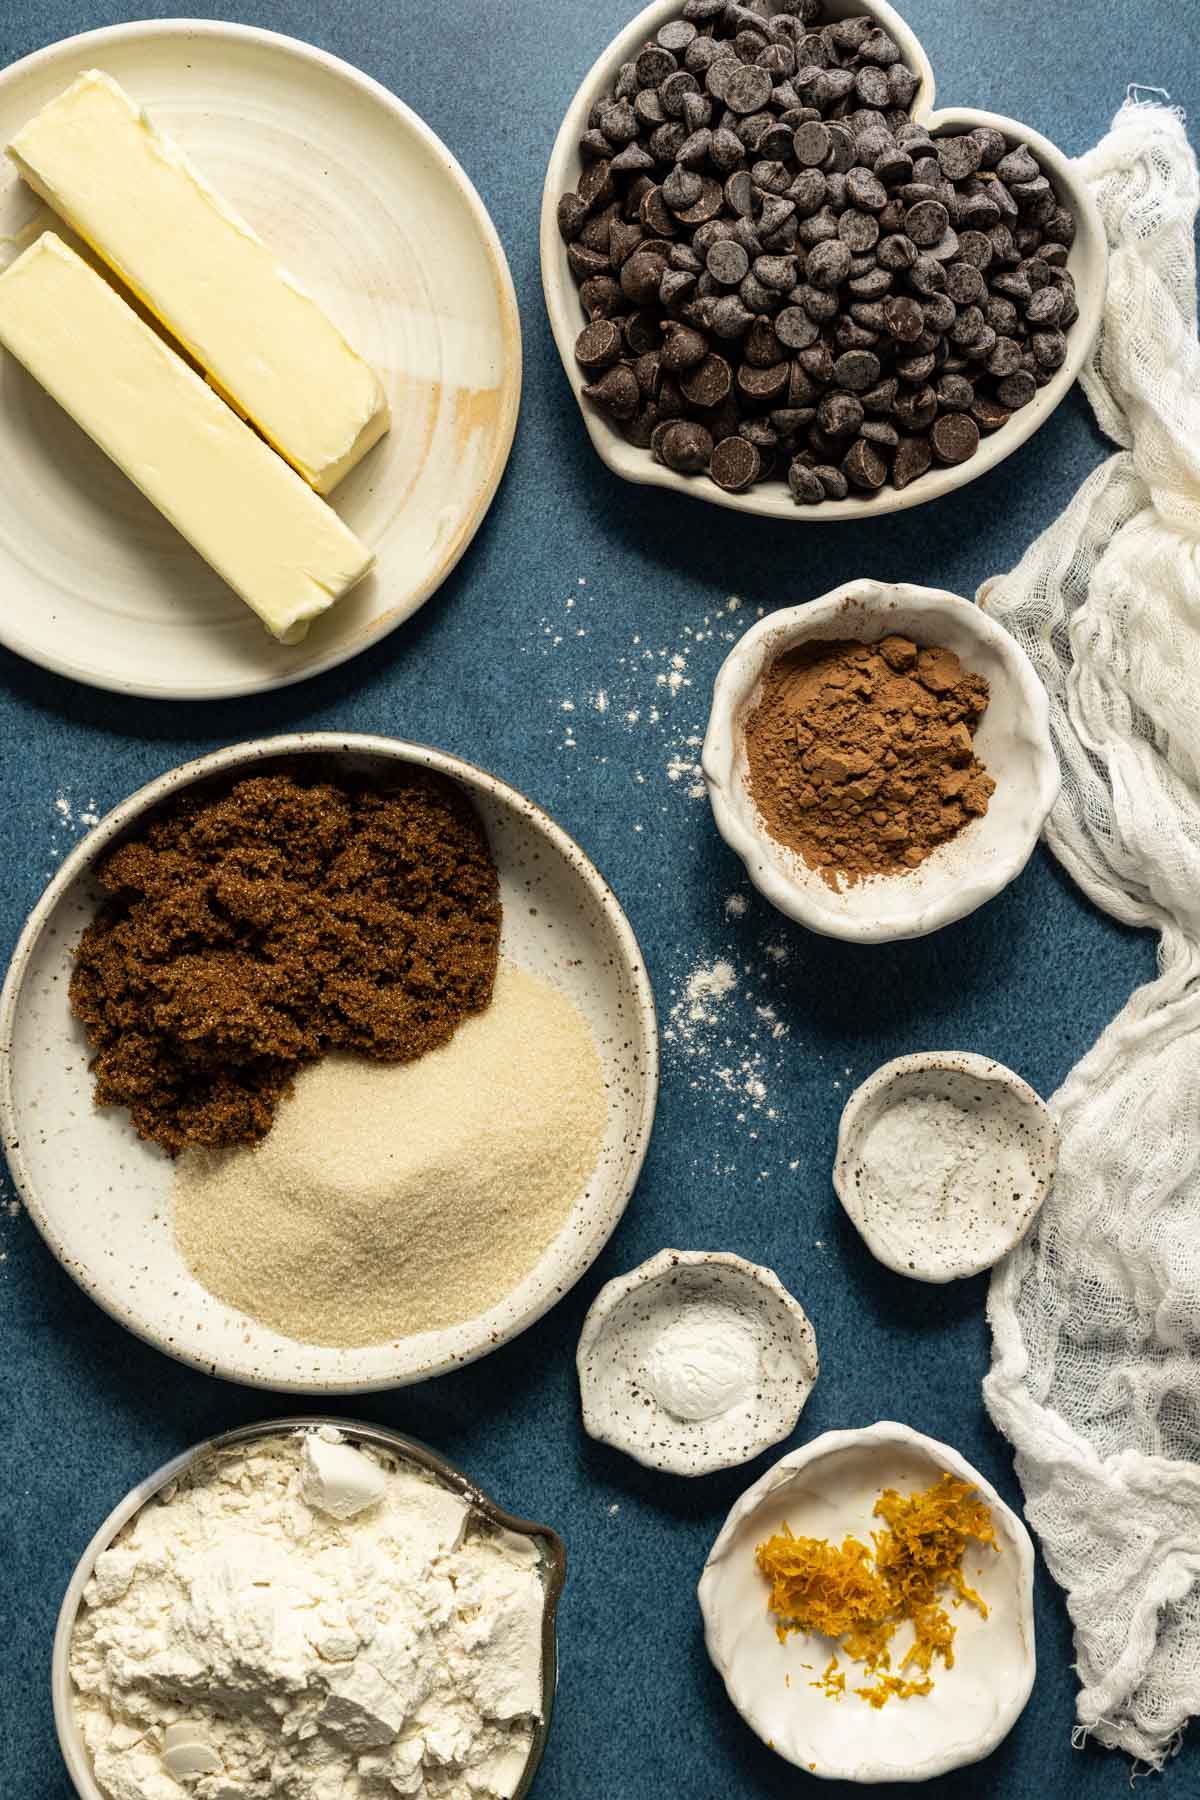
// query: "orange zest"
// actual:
[[859, 1596]]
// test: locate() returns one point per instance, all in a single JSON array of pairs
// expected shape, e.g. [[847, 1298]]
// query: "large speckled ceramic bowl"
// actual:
[[695, 1361], [552, 1559], [1013, 743], [370, 211], [770, 499], [102, 1198], [828, 1489]]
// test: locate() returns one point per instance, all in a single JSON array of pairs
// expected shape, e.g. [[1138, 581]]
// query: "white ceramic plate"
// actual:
[[770, 499], [828, 1489], [102, 1198], [370, 210]]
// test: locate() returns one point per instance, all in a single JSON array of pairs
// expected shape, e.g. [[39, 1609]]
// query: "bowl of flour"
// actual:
[[312, 1606]]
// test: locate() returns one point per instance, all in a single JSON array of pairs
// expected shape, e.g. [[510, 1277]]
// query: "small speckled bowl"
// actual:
[[1013, 742], [828, 1489], [102, 1198], [551, 1553], [770, 499], [642, 1389], [969, 1150]]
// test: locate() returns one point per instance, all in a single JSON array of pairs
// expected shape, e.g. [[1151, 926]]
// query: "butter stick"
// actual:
[[195, 263], [284, 550]]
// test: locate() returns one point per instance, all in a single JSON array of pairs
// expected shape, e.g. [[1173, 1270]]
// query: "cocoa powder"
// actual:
[[861, 755], [249, 931]]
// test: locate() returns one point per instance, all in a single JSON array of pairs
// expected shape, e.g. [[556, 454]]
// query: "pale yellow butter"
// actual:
[[202, 271], [284, 550]]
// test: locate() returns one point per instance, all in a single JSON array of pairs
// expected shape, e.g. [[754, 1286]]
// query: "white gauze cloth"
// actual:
[[1096, 1315]]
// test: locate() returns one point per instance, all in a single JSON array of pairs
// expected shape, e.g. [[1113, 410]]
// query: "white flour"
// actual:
[[300, 1620]]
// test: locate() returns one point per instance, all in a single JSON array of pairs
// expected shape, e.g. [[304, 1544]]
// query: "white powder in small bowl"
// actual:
[[390, 1199]]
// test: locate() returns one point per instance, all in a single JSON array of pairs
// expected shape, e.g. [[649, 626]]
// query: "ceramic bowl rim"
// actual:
[[637, 466], [612, 1298], [409, 1450], [982, 1069], [333, 745], [94, 40], [884, 1433], [736, 679]]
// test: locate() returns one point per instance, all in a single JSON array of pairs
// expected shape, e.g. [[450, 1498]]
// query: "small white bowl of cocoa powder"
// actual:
[[880, 759]]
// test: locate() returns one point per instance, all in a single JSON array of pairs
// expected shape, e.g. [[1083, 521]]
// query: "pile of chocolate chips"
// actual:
[[784, 274]]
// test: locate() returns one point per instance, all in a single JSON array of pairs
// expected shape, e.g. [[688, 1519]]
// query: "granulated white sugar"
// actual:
[[393, 1199]]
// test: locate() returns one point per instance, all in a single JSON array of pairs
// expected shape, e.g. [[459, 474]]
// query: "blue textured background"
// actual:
[[570, 571]]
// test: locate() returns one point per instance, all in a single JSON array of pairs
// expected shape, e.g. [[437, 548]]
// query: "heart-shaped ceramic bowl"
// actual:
[[771, 500]]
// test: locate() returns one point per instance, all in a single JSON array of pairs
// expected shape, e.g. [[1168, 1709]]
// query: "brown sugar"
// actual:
[[250, 931], [861, 755]]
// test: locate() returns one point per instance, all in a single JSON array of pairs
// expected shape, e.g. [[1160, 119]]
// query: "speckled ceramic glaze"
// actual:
[[1087, 263], [1013, 742], [695, 1361], [102, 1198], [551, 1554], [828, 1490], [369, 210], [938, 1207]]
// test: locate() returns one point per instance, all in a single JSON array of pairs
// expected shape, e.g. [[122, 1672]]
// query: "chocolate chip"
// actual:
[[989, 414], [904, 317], [916, 408], [598, 345], [746, 89], [954, 437], [807, 488], [864, 467], [618, 392], [1005, 359], [707, 206], [965, 284], [601, 297], [761, 347], [840, 415], [1016, 390], [572, 212], [1046, 307], [812, 144], [859, 231], [960, 157], [777, 272], [686, 447], [1049, 348], [727, 262], [735, 464], [681, 189], [955, 393], [897, 252], [927, 276], [926, 223], [708, 382], [762, 386], [683, 348], [828, 264], [912, 459], [832, 480], [856, 370]]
